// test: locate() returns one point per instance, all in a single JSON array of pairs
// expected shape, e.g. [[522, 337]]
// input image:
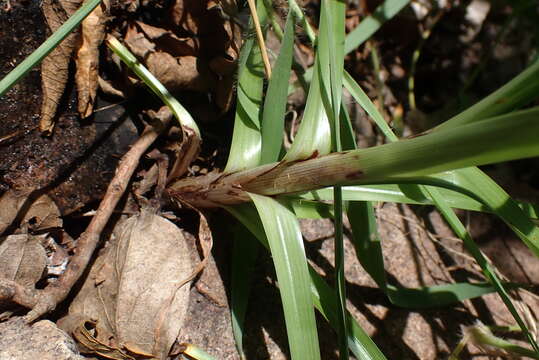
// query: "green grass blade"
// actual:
[[331, 49], [372, 23], [397, 193], [362, 32], [325, 301], [365, 236], [438, 295], [367, 242], [180, 113], [275, 102], [518, 92], [462, 233], [314, 133], [359, 95], [306, 205], [474, 183], [300, 15], [44, 49], [323, 297], [246, 146], [286, 246], [244, 255]]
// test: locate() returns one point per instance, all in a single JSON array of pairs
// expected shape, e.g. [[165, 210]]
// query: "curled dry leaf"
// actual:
[[54, 68], [87, 60], [135, 295]]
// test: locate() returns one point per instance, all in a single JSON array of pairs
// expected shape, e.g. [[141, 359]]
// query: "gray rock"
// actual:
[[41, 340]]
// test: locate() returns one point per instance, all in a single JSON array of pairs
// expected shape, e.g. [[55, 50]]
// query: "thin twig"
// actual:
[[86, 244], [260, 38]]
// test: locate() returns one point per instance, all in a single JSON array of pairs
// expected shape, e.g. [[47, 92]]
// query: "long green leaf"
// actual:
[[493, 196], [286, 245], [275, 101], [314, 134], [462, 233], [180, 113], [399, 193], [331, 54], [44, 49], [246, 146], [323, 298], [359, 95]]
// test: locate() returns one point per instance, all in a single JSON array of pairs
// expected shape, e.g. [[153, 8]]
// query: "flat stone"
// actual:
[[41, 340]]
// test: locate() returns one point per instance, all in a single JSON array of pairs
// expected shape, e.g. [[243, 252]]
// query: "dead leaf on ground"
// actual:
[[138, 43], [54, 68], [135, 293], [43, 214], [183, 73], [169, 42], [87, 60], [22, 259]]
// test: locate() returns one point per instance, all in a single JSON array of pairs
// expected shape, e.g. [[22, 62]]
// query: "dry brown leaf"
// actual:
[[138, 43], [135, 293], [183, 73], [168, 41], [87, 60], [187, 14], [43, 214], [54, 68], [109, 89], [22, 259]]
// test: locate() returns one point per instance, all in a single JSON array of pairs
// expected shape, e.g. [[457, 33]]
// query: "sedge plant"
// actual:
[[323, 174]]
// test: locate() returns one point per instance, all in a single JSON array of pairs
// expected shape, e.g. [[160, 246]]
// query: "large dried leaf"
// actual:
[[87, 60], [135, 294], [22, 259], [54, 68]]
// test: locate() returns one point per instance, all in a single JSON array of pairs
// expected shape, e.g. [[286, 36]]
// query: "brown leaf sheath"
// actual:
[[87, 60], [54, 68]]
